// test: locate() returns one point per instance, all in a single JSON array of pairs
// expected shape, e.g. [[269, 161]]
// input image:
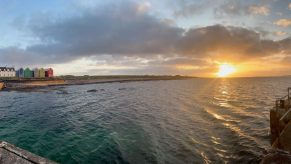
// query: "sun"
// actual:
[[225, 70]]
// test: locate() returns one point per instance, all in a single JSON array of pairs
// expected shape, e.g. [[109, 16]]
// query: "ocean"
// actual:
[[177, 121]]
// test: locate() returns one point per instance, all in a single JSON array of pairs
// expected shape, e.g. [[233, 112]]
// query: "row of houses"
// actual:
[[26, 73], [7, 72]]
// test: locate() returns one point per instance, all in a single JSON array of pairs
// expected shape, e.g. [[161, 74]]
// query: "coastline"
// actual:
[[31, 84]]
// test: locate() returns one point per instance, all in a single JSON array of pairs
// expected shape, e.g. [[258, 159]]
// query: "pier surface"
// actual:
[[12, 154]]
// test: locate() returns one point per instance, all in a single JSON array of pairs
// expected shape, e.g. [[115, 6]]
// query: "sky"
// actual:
[[147, 37]]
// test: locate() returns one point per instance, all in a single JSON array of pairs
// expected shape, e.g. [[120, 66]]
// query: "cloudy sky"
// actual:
[[187, 37]]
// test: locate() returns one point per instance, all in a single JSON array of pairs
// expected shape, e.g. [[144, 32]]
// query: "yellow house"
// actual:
[[41, 73]]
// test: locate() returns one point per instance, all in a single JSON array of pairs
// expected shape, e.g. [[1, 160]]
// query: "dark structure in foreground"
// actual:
[[280, 123], [280, 129], [12, 154]]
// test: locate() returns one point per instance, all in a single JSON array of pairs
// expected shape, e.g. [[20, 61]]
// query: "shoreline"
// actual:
[[33, 84]]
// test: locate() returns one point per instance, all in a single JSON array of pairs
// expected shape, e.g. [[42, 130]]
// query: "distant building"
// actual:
[[41, 73], [20, 72], [7, 72], [28, 73], [49, 72], [36, 73], [32, 73]]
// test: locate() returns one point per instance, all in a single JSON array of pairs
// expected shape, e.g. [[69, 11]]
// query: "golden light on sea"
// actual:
[[225, 70]]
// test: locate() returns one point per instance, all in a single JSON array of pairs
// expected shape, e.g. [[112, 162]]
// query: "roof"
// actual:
[[7, 68]]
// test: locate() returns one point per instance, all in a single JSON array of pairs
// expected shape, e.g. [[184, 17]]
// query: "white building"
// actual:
[[7, 72]]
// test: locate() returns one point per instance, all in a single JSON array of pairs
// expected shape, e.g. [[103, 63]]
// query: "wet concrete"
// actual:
[[12, 154]]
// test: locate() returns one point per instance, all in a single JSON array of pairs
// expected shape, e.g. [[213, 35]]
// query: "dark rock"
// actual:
[[92, 90], [63, 92]]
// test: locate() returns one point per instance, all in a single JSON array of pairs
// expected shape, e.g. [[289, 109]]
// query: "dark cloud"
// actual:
[[122, 29], [286, 45], [16, 56], [230, 42]]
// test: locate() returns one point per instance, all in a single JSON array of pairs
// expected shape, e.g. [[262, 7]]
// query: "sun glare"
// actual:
[[225, 70]]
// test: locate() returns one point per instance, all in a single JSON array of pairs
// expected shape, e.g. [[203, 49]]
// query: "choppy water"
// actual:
[[183, 121]]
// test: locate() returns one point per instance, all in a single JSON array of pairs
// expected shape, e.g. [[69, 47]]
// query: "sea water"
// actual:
[[176, 121]]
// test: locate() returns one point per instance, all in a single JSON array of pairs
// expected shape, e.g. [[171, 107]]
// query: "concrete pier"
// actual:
[[12, 154]]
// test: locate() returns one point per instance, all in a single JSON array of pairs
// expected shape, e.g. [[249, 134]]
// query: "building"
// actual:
[[41, 73], [49, 72], [20, 72], [28, 73], [7, 72], [36, 72]]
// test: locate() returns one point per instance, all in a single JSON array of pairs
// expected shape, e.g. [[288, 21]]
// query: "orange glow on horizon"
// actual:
[[187, 67], [225, 70]]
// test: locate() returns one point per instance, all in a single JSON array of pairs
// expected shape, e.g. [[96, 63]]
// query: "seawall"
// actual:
[[22, 84]]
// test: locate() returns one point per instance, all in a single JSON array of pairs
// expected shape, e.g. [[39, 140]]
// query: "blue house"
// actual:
[[20, 72]]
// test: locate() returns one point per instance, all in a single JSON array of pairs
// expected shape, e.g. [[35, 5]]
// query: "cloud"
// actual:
[[121, 29], [286, 46], [190, 9], [144, 7], [233, 8], [230, 42], [283, 22], [238, 8], [145, 36], [258, 10], [280, 33], [16, 56]]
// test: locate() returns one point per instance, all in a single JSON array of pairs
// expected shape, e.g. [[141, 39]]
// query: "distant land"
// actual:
[[29, 84]]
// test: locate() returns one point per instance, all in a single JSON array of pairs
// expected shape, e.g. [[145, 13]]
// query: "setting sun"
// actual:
[[225, 70]]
